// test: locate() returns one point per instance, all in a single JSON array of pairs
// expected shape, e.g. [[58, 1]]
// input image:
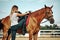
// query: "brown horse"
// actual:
[[36, 17], [5, 25], [33, 25]]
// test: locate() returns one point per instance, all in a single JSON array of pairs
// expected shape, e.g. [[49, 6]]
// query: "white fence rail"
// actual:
[[57, 32], [41, 32]]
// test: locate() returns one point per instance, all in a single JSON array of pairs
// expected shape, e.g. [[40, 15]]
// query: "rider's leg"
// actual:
[[15, 27], [22, 23], [24, 29], [13, 34]]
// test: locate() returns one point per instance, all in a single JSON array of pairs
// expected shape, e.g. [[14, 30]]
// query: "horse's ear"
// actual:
[[52, 6], [45, 6]]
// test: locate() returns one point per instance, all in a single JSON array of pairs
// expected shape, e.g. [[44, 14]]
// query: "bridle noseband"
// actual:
[[48, 16]]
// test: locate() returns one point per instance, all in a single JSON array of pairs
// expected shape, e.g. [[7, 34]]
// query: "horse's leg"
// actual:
[[35, 36], [9, 37], [30, 35], [5, 34], [9, 34]]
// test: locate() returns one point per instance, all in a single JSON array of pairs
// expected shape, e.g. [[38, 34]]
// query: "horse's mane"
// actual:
[[37, 11]]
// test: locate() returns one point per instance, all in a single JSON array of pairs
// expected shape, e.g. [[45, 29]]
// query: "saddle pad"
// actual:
[[27, 21]]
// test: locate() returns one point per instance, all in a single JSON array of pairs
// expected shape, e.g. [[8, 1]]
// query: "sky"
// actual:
[[30, 5]]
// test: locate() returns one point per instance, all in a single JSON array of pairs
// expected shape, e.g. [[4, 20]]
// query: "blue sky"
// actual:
[[33, 5]]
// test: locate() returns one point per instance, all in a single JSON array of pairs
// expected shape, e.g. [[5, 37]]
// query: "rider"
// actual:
[[14, 21]]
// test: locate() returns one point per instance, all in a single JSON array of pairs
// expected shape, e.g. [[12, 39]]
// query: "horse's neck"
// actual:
[[39, 15], [40, 18]]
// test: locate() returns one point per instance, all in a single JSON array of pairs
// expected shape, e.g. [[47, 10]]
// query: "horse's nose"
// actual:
[[52, 21]]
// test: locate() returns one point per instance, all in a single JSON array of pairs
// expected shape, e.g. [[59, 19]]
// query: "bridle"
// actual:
[[46, 14], [48, 17]]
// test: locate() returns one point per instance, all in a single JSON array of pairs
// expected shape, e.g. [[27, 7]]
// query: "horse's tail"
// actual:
[[1, 25]]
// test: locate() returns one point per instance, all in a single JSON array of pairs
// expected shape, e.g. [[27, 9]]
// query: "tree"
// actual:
[[50, 26], [55, 26], [46, 26]]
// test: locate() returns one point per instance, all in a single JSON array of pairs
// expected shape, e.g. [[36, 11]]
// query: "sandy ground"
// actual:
[[26, 38]]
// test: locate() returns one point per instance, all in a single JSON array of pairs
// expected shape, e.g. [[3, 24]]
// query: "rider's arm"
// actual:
[[21, 14]]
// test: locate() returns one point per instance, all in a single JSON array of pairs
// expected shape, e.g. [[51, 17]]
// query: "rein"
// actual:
[[44, 21], [50, 16]]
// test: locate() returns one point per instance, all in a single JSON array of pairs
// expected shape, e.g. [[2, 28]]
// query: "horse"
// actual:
[[33, 22], [36, 17], [5, 25]]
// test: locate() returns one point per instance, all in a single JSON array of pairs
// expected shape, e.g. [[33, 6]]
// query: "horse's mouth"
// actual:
[[51, 21]]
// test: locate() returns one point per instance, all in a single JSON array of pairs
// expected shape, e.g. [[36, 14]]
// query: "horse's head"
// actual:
[[48, 14]]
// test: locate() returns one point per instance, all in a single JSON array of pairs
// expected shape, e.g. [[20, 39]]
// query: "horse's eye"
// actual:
[[51, 12]]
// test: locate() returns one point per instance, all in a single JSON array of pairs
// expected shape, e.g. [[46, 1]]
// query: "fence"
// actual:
[[42, 33]]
